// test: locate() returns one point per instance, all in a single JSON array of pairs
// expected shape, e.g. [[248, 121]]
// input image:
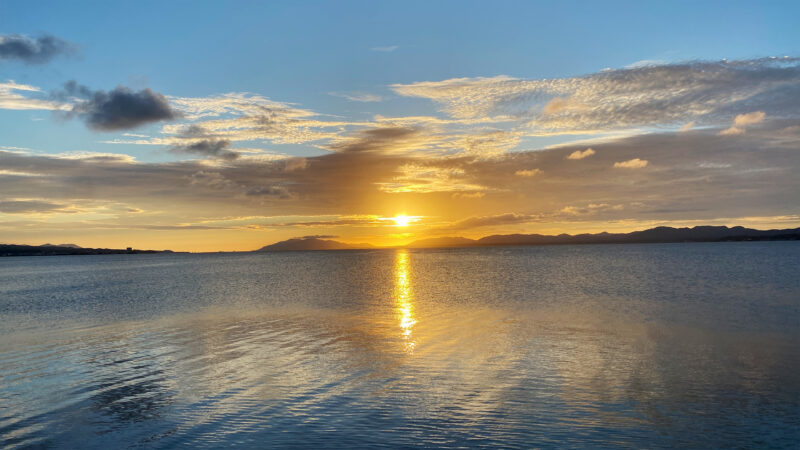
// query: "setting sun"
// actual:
[[401, 220]]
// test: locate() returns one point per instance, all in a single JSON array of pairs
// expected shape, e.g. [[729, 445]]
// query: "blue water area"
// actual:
[[674, 345]]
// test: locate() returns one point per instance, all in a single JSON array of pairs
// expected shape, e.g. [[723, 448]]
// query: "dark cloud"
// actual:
[[195, 132], [73, 89], [376, 140], [498, 219], [118, 109], [29, 206], [211, 148], [269, 191], [348, 221], [33, 50]]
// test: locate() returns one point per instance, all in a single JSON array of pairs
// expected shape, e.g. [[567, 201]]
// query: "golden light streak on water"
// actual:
[[403, 299]]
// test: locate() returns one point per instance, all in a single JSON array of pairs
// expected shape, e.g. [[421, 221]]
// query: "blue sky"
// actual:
[[300, 52], [256, 121]]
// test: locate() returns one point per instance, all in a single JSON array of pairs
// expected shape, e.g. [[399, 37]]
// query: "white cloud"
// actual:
[[634, 163], [425, 179], [646, 63], [10, 97], [743, 120], [577, 154], [528, 172], [650, 95], [732, 131]]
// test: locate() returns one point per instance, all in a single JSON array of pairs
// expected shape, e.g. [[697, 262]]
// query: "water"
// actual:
[[612, 345]]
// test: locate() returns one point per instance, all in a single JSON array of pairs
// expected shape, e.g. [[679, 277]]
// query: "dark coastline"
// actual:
[[57, 250], [658, 235]]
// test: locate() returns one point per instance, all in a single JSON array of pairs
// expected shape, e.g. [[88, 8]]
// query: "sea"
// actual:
[[645, 346]]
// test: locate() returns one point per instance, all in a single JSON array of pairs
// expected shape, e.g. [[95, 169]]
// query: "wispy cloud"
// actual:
[[651, 95], [385, 48], [527, 172], [11, 97], [357, 96], [418, 178]]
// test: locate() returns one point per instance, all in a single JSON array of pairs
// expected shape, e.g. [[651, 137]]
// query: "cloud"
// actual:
[[387, 48], [468, 195], [634, 163], [591, 208], [421, 178], [30, 206], [577, 154], [686, 127], [491, 220], [560, 105], [293, 164], [10, 97], [741, 121], [358, 96], [732, 131], [702, 91], [527, 172], [268, 191], [247, 117], [118, 109], [646, 63], [211, 148], [33, 50], [382, 140]]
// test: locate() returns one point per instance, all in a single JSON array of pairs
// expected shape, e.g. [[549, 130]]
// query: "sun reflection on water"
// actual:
[[403, 299]]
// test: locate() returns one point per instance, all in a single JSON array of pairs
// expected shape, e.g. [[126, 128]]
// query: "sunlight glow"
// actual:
[[403, 299], [402, 220]]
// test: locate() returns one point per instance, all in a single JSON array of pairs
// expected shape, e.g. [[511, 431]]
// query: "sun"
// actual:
[[402, 220]]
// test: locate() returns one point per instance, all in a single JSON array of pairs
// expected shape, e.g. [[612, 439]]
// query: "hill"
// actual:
[[309, 243], [652, 235]]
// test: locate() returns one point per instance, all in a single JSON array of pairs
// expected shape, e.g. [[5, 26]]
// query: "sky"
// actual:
[[222, 126]]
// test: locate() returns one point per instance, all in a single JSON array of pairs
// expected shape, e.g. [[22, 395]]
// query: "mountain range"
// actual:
[[652, 235]]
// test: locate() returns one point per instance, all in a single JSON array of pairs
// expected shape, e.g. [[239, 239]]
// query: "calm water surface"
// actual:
[[691, 345]]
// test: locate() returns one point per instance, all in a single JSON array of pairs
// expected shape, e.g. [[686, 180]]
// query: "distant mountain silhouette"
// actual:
[[653, 235], [61, 245], [309, 243], [64, 249], [450, 241]]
